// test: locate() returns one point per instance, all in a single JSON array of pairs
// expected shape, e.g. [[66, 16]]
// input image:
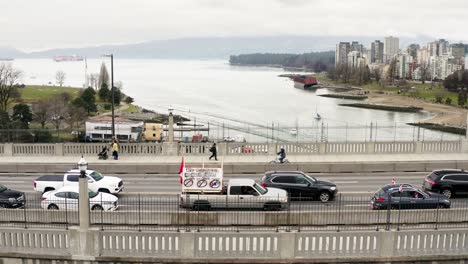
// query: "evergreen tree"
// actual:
[[22, 113], [104, 93]]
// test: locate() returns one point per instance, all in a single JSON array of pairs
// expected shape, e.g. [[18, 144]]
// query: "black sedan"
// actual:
[[300, 186], [406, 196], [10, 198]]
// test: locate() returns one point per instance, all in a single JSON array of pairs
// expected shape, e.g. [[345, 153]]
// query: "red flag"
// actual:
[[393, 181], [181, 169]]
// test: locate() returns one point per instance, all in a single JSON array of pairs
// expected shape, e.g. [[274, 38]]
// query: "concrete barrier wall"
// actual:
[[251, 218], [84, 246], [241, 168]]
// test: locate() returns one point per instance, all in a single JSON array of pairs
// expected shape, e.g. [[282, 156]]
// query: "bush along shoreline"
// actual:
[[394, 108]]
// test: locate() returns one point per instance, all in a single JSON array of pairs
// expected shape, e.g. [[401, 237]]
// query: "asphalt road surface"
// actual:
[[159, 192]]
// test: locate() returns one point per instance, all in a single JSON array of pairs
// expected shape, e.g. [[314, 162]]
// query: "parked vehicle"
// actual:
[[96, 182], [240, 193], [406, 196], [10, 198], [66, 198], [300, 185], [448, 182]]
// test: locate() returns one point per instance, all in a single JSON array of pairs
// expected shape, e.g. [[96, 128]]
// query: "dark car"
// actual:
[[406, 196], [300, 185], [448, 182], [10, 198]]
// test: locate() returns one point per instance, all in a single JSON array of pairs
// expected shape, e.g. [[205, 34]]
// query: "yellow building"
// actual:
[[153, 131]]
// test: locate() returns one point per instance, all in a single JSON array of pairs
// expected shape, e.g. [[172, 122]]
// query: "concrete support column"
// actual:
[[287, 245], [171, 127], [419, 147], [8, 149], [222, 148], [58, 149], [387, 243], [170, 148], [370, 147], [83, 203], [84, 244], [322, 148], [187, 243], [273, 149]]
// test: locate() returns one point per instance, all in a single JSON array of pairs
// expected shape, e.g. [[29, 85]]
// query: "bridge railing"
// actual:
[[194, 149], [251, 247]]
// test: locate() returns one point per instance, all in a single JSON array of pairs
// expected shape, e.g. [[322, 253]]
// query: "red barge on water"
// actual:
[[303, 81]]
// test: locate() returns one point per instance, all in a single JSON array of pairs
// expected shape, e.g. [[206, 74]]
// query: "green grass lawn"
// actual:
[[34, 93]]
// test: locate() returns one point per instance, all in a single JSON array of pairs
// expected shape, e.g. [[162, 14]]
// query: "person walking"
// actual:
[[115, 149], [213, 152]]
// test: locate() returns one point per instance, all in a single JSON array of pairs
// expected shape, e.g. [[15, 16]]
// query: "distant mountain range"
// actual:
[[208, 48]]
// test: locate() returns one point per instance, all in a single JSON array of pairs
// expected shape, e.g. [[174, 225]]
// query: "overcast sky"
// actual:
[[42, 24]]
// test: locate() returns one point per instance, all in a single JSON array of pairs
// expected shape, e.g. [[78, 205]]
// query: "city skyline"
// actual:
[[59, 24]]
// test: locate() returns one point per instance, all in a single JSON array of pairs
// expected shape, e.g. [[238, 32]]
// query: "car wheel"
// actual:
[[52, 207], [324, 197], [2, 205], [97, 207], [447, 193]]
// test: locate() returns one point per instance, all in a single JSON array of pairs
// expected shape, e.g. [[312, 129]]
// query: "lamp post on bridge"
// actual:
[[112, 91], [83, 201]]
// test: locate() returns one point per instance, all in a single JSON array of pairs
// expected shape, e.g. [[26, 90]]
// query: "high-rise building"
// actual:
[[356, 46], [377, 52], [355, 59], [412, 50], [458, 52], [341, 53], [392, 47], [444, 47], [404, 62]]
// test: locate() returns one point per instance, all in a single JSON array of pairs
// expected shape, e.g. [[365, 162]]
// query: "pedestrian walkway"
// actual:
[[240, 159]]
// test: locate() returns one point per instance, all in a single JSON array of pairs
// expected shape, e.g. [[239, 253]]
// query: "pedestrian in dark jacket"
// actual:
[[213, 152]]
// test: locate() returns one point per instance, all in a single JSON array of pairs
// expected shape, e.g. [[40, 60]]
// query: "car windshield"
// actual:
[[260, 189], [311, 178], [92, 194], [96, 175], [3, 188]]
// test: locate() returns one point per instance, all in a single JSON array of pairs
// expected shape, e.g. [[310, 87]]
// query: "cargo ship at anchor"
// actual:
[[303, 81], [68, 58]]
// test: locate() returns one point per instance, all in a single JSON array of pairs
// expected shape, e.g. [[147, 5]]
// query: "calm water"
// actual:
[[213, 89]]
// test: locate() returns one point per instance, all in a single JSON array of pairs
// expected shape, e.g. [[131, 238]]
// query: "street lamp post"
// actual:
[[83, 201], [112, 91]]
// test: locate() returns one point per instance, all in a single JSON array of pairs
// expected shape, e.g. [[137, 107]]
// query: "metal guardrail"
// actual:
[[164, 214]]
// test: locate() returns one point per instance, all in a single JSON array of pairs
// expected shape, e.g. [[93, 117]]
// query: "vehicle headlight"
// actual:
[[446, 201], [333, 188], [12, 200]]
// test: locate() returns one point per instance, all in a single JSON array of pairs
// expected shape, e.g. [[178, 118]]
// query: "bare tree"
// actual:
[[41, 112], [391, 72], [60, 77], [57, 111], [103, 76], [424, 71], [8, 85], [76, 116], [377, 74]]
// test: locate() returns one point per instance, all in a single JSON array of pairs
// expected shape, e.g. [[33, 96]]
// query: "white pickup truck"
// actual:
[[96, 182], [240, 193]]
